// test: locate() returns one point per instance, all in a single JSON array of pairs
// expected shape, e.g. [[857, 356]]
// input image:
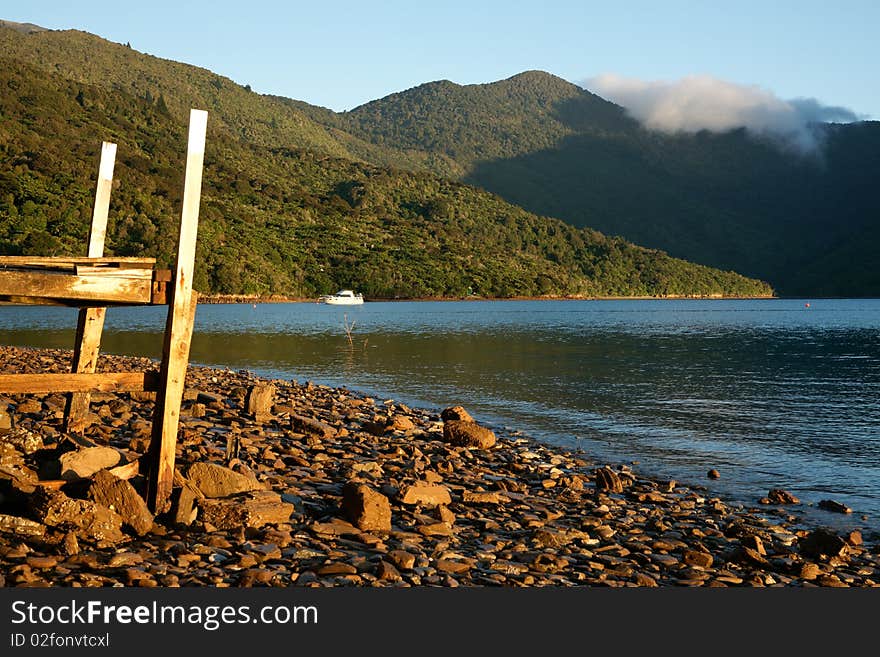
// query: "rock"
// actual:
[[456, 413], [467, 434], [197, 410], [83, 463], [209, 398], [754, 543], [307, 425], [336, 568], [365, 508], [551, 539], [185, 506], [809, 571], [748, 556], [120, 496], [780, 496], [93, 521], [822, 542], [42, 562], [645, 580], [453, 567], [70, 546], [336, 527], [259, 401], [854, 537], [697, 558], [608, 480], [436, 529], [387, 573], [214, 480], [713, 474], [24, 441], [400, 423], [402, 559], [5, 421], [29, 406], [445, 515], [254, 509], [21, 526], [425, 494], [482, 497], [834, 507]]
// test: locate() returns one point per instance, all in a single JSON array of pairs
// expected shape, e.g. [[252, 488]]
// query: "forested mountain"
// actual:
[[290, 220], [803, 220]]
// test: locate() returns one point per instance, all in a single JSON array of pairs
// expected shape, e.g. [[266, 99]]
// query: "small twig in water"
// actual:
[[348, 328]]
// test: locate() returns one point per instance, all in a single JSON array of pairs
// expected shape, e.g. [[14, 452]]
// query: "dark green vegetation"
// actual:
[[290, 204]]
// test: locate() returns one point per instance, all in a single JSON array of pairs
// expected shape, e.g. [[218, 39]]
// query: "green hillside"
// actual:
[[290, 220], [729, 200]]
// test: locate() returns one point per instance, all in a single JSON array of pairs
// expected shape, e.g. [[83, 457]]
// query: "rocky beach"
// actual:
[[281, 483]]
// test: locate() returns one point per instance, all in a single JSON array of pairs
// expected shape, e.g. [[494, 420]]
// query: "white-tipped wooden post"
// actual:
[[178, 328], [90, 323]]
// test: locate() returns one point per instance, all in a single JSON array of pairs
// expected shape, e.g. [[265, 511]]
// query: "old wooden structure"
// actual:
[[94, 283]]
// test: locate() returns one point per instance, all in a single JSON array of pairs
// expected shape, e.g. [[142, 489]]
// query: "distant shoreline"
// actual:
[[279, 298]]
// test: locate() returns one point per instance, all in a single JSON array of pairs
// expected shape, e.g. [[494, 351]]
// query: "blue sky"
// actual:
[[342, 54]]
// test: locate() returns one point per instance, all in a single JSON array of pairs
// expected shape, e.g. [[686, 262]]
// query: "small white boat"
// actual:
[[342, 298]]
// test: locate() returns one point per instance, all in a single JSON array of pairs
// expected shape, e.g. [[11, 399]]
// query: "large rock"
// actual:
[[83, 463], [608, 480], [312, 427], [456, 413], [425, 494], [822, 542], [214, 480], [365, 508], [251, 509], [259, 401], [90, 520], [462, 433], [120, 496]]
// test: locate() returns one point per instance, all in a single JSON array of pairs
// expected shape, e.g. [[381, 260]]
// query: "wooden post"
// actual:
[[178, 328], [91, 320]]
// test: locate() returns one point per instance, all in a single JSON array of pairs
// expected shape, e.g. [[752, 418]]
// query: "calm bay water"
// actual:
[[772, 393]]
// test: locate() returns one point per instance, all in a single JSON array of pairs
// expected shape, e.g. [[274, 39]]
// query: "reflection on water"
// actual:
[[770, 392]]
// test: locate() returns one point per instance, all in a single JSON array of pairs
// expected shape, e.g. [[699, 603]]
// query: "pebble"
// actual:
[[516, 514]]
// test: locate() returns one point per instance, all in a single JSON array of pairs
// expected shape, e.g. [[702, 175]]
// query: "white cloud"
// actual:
[[702, 102]]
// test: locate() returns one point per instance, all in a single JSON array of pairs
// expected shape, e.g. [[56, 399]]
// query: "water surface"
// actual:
[[773, 393]]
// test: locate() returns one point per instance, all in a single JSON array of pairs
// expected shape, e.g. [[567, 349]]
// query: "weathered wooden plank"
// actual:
[[90, 322], [114, 272], [166, 414], [71, 263], [98, 231], [88, 287], [178, 330], [79, 382]]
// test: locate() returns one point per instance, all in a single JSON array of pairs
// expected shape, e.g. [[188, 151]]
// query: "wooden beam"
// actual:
[[179, 326], [40, 262], [90, 321], [94, 288], [166, 414], [14, 384]]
